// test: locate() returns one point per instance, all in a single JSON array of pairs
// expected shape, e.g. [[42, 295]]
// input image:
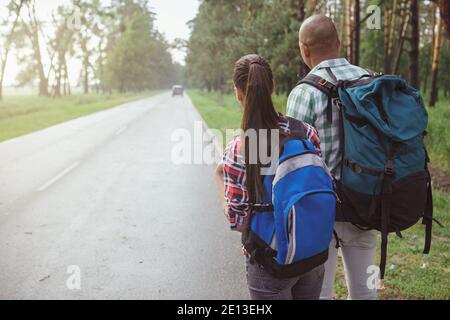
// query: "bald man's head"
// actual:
[[318, 38]]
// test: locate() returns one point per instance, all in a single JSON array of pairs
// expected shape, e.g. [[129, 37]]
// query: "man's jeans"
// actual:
[[358, 250], [263, 286]]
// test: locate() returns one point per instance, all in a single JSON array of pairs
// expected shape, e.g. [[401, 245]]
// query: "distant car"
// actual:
[[177, 91]]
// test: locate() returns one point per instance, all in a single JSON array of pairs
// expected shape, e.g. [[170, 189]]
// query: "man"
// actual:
[[319, 47]]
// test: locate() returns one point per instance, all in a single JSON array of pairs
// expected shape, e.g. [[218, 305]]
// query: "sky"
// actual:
[[171, 19]]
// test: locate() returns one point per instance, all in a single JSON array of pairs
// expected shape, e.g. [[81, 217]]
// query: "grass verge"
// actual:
[[23, 114], [438, 138], [223, 112]]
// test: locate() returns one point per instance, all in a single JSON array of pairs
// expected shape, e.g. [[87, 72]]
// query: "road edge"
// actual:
[[213, 138]]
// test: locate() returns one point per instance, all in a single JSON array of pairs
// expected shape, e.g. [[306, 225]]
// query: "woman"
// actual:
[[240, 185]]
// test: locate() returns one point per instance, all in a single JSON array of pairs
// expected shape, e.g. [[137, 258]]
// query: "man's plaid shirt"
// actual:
[[308, 104], [236, 195]]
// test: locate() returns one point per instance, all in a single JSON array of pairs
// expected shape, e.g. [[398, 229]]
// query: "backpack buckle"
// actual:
[[263, 207], [337, 102], [389, 168], [353, 166], [323, 82]]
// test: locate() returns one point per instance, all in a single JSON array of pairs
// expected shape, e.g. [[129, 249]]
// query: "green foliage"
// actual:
[[208, 63], [117, 45], [220, 111], [137, 56], [444, 75], [438, 138], [372, 54], [223, 31]]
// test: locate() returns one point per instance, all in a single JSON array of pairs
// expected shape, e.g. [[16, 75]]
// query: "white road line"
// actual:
[[59, 176], [118, 133]]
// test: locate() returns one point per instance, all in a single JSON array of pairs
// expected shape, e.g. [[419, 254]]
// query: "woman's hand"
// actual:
[[220, 184], [242, 229]]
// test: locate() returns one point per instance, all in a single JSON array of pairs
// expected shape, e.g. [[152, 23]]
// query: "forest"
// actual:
[[117, 46], [405, 37]]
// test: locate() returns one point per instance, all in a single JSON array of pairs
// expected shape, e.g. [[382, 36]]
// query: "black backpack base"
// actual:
[[263, 255], [407, 204]]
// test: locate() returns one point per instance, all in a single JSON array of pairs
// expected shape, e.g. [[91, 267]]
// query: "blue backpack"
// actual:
[[291, 231], [385, 183]]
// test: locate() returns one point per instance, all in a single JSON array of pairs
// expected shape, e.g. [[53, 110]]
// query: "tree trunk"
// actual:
[[86, 64], [4, 58], [433, 25], [67, 80], [64, 78], [433, 39], [387, 19], [356, 32], [303, 68], [57, 87], [34, 34], [335, 15], [444, 8], [86, 75], [348, 31], [391, 33], [435, 64], [414, 50], [43, 81], [404, 27], [342, 30], [301, 11]]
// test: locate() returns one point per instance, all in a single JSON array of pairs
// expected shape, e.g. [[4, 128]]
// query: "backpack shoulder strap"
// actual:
[[325, 86], [298, 132], [297, 128], [319, 83]]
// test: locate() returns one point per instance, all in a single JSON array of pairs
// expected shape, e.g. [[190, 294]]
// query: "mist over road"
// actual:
[[101, 193]]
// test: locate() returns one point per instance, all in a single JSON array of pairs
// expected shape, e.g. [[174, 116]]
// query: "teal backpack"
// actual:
[[385, 183]]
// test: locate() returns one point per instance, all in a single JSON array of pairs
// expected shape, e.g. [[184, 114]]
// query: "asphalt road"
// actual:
[[99, 197]]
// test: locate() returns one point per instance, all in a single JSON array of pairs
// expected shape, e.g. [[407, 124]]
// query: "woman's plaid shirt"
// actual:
[[236, 195]]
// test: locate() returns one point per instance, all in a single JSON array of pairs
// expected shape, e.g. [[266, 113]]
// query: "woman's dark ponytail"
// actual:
[[254, 78]]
